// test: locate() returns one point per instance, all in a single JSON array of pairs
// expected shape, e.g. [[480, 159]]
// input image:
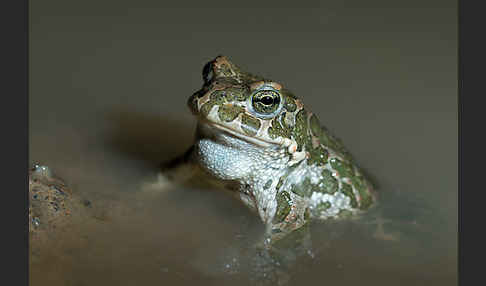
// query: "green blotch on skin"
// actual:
[[345, 214], [318, 155], [206, 108], [228, 112], [250, 78], [224, 70], [272, 133], [304, 189], [267, 185], [366, 202], [324, 138], [330, 184], [283, 207], [277, 130], [342, 150], [290, 104], [239, 94], [327, 139], [300, 130], [309, 148], [250, 125], [214, 99], [287, 119], [315, 126], [348, 192], [322, 207], [363, 190], [344, 169], [217, 94], [230, 94]]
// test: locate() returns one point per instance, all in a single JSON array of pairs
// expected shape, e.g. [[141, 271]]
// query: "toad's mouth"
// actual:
[[215, 129]]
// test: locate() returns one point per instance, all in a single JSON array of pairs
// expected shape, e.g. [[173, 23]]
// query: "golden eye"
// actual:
[[266, 102]]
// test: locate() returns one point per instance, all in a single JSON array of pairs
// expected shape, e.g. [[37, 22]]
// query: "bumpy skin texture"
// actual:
[[286, 165]]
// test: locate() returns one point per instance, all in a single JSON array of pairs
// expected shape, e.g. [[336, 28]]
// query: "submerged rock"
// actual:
[[53, 208]]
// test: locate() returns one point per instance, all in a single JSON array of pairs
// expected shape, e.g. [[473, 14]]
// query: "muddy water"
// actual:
[[108, 88]]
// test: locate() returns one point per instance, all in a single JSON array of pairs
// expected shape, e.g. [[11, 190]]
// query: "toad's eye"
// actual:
[[266, 102]]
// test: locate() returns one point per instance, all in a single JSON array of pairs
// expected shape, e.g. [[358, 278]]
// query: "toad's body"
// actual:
[[255, 133]]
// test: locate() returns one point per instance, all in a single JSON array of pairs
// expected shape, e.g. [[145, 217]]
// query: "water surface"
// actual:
[[108, 88]]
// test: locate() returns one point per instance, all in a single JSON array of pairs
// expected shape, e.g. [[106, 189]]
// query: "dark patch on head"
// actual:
[[228, 112], [250, 125]]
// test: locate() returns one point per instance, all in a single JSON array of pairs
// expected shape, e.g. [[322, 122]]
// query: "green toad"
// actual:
[[287, 167]]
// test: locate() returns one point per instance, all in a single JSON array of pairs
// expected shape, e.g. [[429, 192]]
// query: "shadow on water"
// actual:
[[148, 137]]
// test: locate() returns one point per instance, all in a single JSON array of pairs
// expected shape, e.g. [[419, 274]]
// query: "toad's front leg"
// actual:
[[288, 234], [292, 214]]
